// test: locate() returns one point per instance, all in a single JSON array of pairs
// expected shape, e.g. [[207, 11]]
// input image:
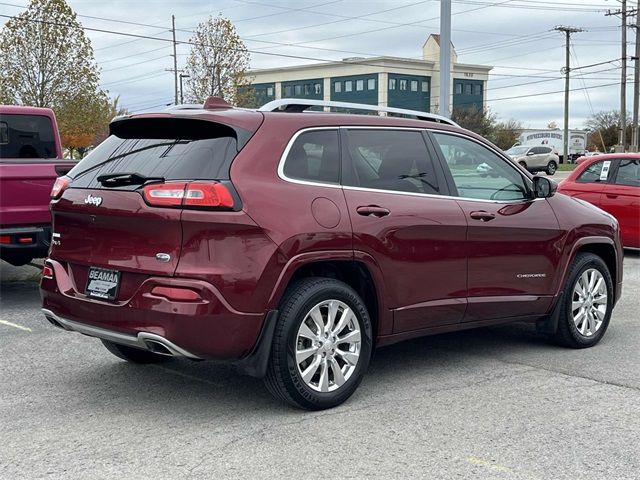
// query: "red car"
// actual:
[[293, 243], [611, 182]]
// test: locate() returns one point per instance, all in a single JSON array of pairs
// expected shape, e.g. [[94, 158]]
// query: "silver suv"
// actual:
[[535, 159]]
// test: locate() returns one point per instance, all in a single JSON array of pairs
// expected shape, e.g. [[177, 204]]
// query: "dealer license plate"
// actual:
[[103, 283]]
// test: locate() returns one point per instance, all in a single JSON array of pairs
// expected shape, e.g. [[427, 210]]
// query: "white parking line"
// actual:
[[14, 325]]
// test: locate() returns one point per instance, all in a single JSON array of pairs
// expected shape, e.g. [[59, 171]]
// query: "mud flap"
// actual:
[[549, 326], [255, 364]]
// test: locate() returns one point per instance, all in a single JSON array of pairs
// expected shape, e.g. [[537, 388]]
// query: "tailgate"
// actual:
[[115, 230], [25, 189]]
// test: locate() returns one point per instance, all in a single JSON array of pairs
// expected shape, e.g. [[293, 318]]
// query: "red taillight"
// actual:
[[5, 239], [176, 294], [59, 187], [201, 194], [25, 240], [193, 194], [47, 271], [164, 194]]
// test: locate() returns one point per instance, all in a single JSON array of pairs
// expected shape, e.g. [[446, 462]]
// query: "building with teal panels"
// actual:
[[386, 81]]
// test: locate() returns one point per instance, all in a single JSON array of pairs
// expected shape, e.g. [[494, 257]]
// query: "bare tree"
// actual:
[[218, 62]]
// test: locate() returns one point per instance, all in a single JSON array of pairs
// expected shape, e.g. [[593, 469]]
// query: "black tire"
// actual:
[[283, 378], [551, 168], [134, 355], [523, 165], [567, 333]]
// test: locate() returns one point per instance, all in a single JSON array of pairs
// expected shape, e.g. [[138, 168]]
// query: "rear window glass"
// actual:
[[185, 155], [26, 136], [314, 157], [391, 160], [629, 173]]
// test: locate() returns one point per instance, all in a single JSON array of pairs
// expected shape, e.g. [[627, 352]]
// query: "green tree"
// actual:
[[505, 134], [480, 121], [218, 62], [45, 57], [46, 60]]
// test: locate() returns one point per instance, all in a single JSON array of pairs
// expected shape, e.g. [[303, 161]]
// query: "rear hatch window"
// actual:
[[174, 149]]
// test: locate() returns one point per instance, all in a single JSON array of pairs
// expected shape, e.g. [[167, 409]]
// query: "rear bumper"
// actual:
[[38, 247], [205, 329], [143, 340]]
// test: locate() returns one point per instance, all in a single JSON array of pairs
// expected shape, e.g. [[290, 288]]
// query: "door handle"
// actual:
[[611, 195], [372, 211], [482, 216]]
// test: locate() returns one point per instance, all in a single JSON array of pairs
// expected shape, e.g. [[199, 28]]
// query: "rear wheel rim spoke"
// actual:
[[328, 346]]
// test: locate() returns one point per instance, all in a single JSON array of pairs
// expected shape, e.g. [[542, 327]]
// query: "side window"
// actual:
[[546, 150], [392, 84], [536, 150], [629, 173], [391, 160], [314, 157], [480, 173], [593, 173], [337, 87]]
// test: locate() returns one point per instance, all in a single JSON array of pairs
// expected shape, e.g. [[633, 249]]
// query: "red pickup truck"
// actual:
[[30, 161]]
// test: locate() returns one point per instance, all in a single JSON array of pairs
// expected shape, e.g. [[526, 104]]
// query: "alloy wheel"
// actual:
[[328, 345], [589, 302]]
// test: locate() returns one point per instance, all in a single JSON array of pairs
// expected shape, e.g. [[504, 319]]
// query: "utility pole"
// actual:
[[635, 141], [175, 58], [445, 56], [567, 31], [622, 135]]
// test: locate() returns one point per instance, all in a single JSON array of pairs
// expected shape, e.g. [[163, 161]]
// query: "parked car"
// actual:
[[30, 162], [612, 183], [535, 159], [292, 244]]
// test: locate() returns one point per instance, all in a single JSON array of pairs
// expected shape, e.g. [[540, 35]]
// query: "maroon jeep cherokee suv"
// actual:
[[293, 243]]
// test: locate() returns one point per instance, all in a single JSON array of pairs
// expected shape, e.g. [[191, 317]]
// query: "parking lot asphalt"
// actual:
[[498, 402]]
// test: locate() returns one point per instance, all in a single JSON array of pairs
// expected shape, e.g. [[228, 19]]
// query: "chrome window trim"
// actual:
[[287, 149], [284, 155]]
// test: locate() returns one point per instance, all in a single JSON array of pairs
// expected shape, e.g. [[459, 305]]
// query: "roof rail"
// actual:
[[301, 104]]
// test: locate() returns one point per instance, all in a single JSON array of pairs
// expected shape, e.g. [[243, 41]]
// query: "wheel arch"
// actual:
[[358, 270]]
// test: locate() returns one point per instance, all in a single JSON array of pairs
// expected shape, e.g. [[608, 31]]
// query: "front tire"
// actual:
[[551, 168], [586, 303], [321, 345], [134, 355]]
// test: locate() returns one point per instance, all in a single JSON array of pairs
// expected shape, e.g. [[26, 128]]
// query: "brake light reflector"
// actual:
[[164, 194], [5, 239], [176, 293], [25, 239], [59, 187], [47, 271], [200, 194]]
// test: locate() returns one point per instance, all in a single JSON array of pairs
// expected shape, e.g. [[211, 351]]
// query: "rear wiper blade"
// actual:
[[123, 178]]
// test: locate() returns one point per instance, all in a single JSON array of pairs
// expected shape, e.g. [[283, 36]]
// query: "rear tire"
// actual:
[[523, 165], [134, 355], [586, 303], [551, 168], [321, 345]]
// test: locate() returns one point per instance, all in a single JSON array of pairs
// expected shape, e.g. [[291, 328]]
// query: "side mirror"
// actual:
[[543, 187], [529, 153]]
